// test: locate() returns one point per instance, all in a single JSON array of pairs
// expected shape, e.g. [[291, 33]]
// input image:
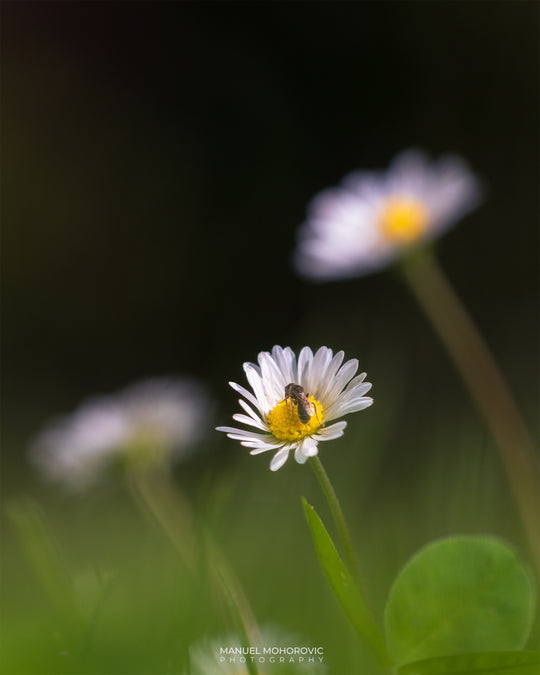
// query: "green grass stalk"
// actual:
[[478, 368], [341, 524]]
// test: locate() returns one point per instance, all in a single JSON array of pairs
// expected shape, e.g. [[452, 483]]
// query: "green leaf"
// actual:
[[344, 586], [505, 663], [456, 596]]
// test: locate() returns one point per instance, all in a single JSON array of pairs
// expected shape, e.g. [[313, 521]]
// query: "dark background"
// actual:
[[158, 159]]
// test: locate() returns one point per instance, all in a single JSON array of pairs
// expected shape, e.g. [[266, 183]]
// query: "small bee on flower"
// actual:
[[374, 217], [285, 416], [304, 407]]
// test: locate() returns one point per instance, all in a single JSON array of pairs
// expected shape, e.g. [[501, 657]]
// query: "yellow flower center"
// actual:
[[285, 424], [404, 220]]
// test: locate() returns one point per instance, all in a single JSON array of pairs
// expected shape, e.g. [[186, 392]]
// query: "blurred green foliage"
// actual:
[[138, 609]]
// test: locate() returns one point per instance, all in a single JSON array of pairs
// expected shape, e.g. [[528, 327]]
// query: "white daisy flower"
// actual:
[[284, 418], [373, 217], [162, 416]]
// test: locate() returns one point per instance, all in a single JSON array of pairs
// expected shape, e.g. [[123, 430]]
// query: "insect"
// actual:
[[295, 393]]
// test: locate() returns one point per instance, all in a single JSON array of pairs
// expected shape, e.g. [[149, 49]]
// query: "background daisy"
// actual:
[[373, 217], [161, 416]]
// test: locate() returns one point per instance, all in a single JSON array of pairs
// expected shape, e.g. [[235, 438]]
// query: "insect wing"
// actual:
[[306, 410]]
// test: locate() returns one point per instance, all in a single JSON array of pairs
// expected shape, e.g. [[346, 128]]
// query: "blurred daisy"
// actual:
[[160, 417], [208, 658], [296, 418], [373, 217]]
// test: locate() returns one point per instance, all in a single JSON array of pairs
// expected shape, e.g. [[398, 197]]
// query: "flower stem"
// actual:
[[477, 367], [155, 494], [339, 519], [238, 604], [156, 497], [37, 541]]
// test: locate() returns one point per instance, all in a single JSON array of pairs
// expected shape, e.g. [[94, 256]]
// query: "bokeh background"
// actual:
[[157, 160]]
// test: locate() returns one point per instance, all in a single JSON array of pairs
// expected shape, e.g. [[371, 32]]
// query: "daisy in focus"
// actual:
[[155, 420], [374, 217], [293, 402]]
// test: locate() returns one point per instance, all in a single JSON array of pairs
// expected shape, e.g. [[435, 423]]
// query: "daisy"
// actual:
[[286, 418], [161, 417], [374, 217]]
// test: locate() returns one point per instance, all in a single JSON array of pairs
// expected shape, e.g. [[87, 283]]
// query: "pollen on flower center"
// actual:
[[285, 424], [403, 219]]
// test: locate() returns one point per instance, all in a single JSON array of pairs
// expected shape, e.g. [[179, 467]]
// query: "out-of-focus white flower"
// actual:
[[277, 654], [373, 217], [164, 416], [330, 390]]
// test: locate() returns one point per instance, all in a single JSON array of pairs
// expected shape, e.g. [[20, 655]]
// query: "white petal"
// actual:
[[333, 367], [246, 419], [245, 393], [408, 173], [299, 455], [343, 376], [304, 364], [244, 434], [358, 380], [241, 437], [330, 432], [359, 389], [308, 448], [279, 458], [254, 378], [249, 410], [320, 363], [259, 449], [286, 361], [344, 407], [232, 430], [454, 192], [272, 378]]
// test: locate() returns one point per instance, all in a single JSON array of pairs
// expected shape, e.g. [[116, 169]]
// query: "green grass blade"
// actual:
[[344, 586], [37, 542]]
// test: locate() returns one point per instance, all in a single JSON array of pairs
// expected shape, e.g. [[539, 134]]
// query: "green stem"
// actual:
[[339, 519], [44, 557], [238, 605], [477, 367], [155, 494]]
